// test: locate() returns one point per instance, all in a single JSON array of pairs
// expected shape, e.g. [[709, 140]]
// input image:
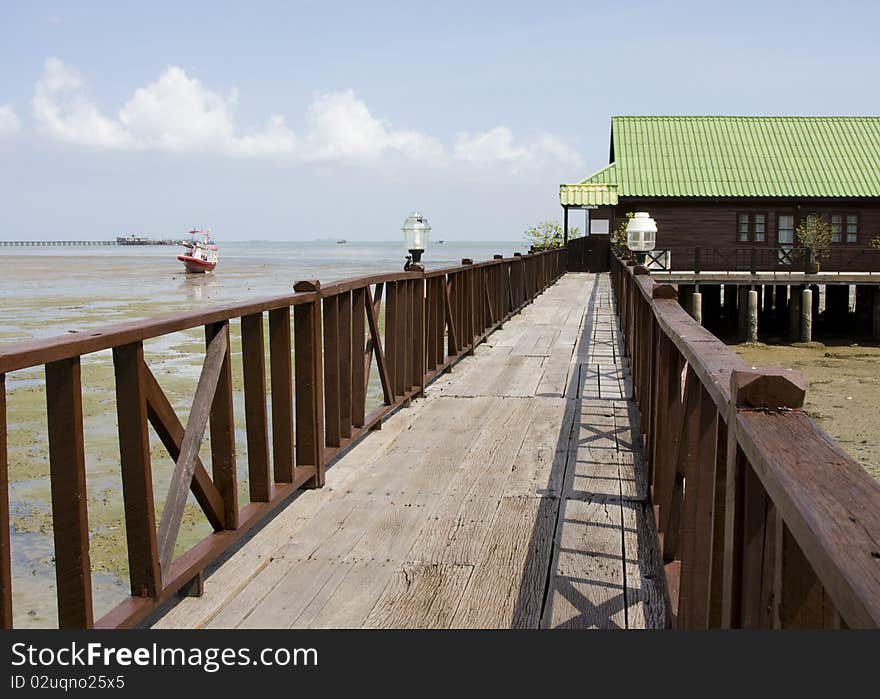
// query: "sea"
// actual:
[[53, 290]]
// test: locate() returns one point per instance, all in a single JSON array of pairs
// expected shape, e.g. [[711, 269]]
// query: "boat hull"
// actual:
[[194, 265]]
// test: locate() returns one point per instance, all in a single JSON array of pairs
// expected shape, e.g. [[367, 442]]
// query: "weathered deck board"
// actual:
[[506, 588], [519, 468], [421, 596]]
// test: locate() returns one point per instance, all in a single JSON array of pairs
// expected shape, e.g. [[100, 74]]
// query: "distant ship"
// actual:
[[341, 241], [200, 253]]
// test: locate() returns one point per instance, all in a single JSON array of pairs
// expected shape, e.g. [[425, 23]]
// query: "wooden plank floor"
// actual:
[[512, 495]]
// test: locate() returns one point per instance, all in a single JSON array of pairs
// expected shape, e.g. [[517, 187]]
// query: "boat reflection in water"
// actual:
[[199, 288]]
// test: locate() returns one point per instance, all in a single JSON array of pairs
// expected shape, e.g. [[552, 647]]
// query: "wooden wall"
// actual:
[[712, 223]]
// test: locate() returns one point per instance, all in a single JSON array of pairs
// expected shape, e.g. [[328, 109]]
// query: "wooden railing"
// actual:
[[321, 345], [762, 258], [764, 521]]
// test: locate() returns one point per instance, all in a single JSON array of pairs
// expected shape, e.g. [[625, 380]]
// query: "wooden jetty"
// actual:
[[508, 497], [552, 450]]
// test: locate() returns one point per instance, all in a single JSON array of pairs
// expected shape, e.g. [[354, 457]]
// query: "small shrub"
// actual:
[[548, 235], [814, 233]]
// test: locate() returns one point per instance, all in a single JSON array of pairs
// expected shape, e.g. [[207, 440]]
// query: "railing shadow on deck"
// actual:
[[539, 559], [322, 341], [542, 558], [764, 521]]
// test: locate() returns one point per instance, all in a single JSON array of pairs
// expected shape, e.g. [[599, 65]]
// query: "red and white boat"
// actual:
[[200, 253]]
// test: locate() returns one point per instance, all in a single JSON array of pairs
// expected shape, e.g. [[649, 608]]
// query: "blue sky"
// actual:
[[297, 120]]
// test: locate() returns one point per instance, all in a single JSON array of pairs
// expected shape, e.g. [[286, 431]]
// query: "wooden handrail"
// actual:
[[754, 258], [321, 343], [764, 521]]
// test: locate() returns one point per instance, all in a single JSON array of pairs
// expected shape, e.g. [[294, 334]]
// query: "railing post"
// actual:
[[5, 547], [253, 359], [499, 290], [222, 429], [67, 470], [468, 304], [281, 384], [763, 389], [307, 332], [359, 298], [137, 480]]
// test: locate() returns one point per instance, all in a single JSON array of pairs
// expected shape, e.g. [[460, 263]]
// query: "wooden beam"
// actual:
[[222, 422], [281, 381], [181, 478], [167, 426], [332, 379], [376, 338], [137, 479], [697, 521], [253, 359], [345, 363], [67, 466], [450, 321], [309, 385], [359, 356], [5, 548]]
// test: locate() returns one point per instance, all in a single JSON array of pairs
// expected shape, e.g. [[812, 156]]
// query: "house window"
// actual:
[[759, 221], [852, 228], [844, 224], [751, 228], [785, 229], [836, 227]]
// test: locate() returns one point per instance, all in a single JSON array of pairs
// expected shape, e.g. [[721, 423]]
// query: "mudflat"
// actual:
[[843, 394]]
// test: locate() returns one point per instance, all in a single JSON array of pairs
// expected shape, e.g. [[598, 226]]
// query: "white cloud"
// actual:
[[341, 127], [177, 113], [9, 121], [499, 145], [63, 111]]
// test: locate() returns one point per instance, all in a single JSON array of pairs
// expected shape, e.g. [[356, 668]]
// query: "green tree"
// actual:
[[548, 235], [814, 233], [618, 237]]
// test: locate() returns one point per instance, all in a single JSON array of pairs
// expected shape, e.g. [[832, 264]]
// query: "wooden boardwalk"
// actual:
[[511, 495]]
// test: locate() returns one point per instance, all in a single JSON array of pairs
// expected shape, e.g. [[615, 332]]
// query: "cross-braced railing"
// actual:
[[764, 521], [322, 343]]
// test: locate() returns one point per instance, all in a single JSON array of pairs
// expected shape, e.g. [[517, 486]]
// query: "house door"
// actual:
[[599, 245], [785, 237], [598, 250]]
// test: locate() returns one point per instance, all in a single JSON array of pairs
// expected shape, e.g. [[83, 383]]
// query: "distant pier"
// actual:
[[85, 243]]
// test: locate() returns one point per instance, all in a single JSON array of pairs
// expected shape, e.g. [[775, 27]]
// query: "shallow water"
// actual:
[[53, 291], [49, 291]]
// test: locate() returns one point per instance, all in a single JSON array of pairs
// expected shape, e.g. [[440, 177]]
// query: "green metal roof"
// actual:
[[597, 190], [688, 156]]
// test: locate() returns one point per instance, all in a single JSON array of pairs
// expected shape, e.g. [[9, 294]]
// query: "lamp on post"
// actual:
[[415, 239], [641, 235]]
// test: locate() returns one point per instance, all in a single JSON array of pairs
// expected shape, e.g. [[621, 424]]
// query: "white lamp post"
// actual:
[[641, 235], [415, 239]]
